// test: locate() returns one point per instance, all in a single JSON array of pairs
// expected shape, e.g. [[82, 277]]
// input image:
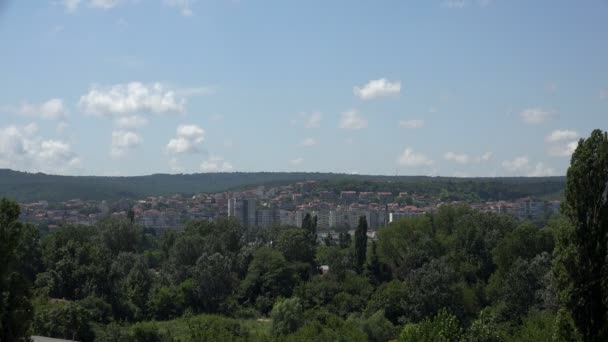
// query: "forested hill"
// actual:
[[26, 187]]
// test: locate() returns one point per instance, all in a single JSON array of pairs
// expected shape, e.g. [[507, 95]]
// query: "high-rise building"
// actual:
[[244, 210]]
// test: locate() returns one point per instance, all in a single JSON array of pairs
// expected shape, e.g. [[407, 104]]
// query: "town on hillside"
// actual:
[[266, 206]]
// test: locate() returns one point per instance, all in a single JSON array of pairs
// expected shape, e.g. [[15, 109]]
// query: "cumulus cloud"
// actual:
[[313, 120], [187, 140], [52, 109], [487, 156], [517, 164], [410, 158], [308, 120], [130, 122], [351, 120], [184, 6], [216, 164], [377, 88], [105, 4], [122, 141], [71, 5], [308, 142], [520, 166], [131, 98], [411, 124], [20, 148], [562, 143], [534, 115], [561, 135], [461, 158], [296, 161], [174, 165]]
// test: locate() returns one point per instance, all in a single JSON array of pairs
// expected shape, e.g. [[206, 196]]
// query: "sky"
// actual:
[[459, 88]]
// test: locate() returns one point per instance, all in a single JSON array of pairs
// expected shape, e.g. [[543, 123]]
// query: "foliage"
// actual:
[[582, 249], [443, 327], [18, 248], [360, 244], [287, 316]]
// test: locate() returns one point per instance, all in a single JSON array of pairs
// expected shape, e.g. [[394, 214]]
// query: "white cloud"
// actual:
[[534, 115], [308, 142], [71, 5], [562, 143], [296, 161], [412, 159], [20, 148], [352, 120], [461, 158], [377, 88], [105, 4], [516, 165], [313, 120], [458, 4], [308, 120], [216, 164], [521, 166], [187, 139], [52, 109], [174, 165], [561, 135], [122, 141], [131, 98], [455, 3], [182, 5], [540, 170], [411, 124], [130, 122]]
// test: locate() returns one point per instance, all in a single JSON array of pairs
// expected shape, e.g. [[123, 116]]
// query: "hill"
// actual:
[[26, 187]]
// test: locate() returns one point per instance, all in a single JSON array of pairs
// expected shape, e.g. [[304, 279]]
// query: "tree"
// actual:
[[15, 307], [214, 281], [287, 316], [68, 320], [269, 276], [295, 244], [309, 224], [443, 327], [361, 244], [407, 245], [580, 265]]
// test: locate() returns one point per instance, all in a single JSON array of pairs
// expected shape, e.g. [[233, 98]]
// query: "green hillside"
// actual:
[[26, 187]]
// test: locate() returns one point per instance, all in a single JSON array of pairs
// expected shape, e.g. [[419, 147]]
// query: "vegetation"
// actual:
[[29, 187], [454, 275]]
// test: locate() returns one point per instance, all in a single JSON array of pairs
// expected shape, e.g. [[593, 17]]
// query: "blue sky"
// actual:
[[450, 88]]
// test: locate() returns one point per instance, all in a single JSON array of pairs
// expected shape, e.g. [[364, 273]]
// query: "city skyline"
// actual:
[[447, 88]]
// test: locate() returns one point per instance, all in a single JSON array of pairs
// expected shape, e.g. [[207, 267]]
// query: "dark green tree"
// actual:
[[309, 224], [580, 264], [15, 307], [361, 244]]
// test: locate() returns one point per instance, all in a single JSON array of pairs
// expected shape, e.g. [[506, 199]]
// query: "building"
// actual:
[[244, 210]]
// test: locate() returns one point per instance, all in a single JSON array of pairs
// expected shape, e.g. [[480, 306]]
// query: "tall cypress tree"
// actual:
[[361, 244], [580, 258]]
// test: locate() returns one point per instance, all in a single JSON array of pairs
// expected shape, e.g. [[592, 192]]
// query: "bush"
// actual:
[[287, 316]]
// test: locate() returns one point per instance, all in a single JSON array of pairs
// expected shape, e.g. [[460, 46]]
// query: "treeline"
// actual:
[[29, 187], [455, 275], [457, 189], [472, 276]]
